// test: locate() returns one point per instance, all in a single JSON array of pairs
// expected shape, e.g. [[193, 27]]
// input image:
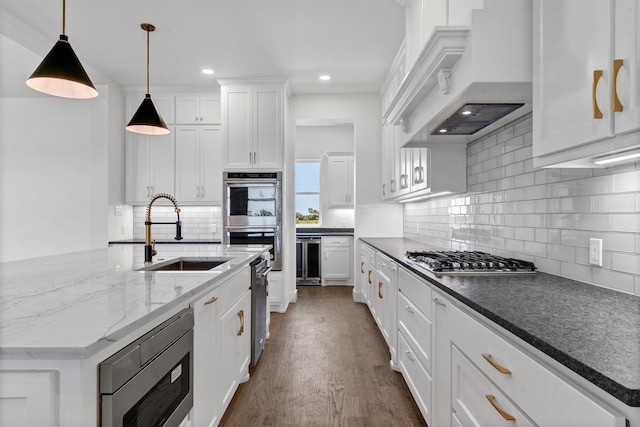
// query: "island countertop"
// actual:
[[71, 306]]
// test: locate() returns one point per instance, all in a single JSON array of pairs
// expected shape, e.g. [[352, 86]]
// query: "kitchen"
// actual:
[[557, 212]]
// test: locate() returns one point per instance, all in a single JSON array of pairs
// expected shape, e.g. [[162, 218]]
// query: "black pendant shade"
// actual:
[[146, 119], [60, 73]]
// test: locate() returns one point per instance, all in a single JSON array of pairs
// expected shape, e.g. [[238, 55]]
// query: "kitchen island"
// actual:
[[60, 316], [587, 333]]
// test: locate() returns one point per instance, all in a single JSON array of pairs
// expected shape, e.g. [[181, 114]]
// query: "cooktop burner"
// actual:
[[467, 263]]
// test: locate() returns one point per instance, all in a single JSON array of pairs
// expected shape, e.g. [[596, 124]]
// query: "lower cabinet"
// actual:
[[336, 259], [485, 380], [222, 347]]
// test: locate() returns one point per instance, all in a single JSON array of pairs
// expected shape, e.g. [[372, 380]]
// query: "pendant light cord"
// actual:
[[147, 60], [64, 8]]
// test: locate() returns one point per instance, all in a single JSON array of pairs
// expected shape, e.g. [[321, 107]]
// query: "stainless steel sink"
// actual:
[[186, 264]]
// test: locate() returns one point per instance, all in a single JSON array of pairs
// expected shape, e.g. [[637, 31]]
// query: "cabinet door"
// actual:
[[161, 163], [187, 110], [187, 164], [209, 107], [404, 182], [205, 404], [572, 39], [627, 48], [337, 263], [235, 348], [268, 123], [137, 169], [211, 164], [340, 180], [419, 169], [236, 127]]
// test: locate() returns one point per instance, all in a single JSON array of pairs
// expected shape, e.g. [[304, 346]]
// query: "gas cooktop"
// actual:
[[467, 263]]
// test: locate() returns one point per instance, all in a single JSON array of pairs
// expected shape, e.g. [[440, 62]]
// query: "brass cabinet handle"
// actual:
[[499, 368], [384, 189], [492, 399], [369, 277], [211, 300], [392, 187], [255, 158], [362, 267], [241, 316], [617, 105], [597, 114], [379, 288]]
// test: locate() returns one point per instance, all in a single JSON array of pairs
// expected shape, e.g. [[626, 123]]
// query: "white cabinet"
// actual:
[[483, 377], [198, 109], [387, 302], [222, 347], [586, 86], [367, 273], [336, 258], [149, 166], [252, 124], [390, 162], [340, 177], [198, 164], [206, 411], [29, 398], [415, 334]]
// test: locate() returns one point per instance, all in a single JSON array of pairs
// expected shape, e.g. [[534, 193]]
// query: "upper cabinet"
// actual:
[[198, 164], [149, 166], [586, 81], [194, 109], [253, 123], [340, 177]]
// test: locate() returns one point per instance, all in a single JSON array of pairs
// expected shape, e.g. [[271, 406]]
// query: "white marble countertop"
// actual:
[[71, 306]]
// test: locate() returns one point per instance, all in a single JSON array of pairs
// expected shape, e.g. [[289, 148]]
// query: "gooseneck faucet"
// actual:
[[150, 245]]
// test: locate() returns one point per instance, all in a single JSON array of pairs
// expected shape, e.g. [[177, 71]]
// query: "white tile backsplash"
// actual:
[[543, 215], [198, 222]]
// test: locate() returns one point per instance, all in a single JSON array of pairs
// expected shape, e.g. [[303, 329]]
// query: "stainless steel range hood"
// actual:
[[471, 118]]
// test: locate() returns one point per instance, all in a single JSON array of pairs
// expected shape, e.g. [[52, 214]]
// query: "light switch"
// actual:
[[595, 252]]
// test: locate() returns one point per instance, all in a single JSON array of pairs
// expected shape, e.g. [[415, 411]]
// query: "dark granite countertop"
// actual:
[[168, 241], [322, 231], [591, 330]]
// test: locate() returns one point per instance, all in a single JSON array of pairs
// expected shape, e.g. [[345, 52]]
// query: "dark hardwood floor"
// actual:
[[325, 364]]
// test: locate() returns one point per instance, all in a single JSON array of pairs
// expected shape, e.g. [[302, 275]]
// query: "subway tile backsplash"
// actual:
[[542, 215], [198, 222]]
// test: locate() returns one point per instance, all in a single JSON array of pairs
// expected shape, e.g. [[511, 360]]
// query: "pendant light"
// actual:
[[147, 120], [60, 73]]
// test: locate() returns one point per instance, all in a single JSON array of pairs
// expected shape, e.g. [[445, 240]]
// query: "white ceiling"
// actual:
[[354, 41]]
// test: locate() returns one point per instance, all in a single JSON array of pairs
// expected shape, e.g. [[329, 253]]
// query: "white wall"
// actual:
[[312, 142], [61, 160]]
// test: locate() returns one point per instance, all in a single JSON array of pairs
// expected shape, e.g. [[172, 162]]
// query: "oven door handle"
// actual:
[[263, 272], [241, 228]]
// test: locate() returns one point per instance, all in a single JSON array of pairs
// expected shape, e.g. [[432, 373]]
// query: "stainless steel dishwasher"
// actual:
[[259, 293], [308, 261]]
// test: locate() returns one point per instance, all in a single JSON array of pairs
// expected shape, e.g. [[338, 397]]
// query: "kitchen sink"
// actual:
[[186, 264]]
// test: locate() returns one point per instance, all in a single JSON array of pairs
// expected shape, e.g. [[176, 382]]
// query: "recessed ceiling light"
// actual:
[[207, 71], [466, 113], [442, 131], [325, 77]]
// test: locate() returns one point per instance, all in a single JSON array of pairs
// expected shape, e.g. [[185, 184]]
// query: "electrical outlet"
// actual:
[[595, 252]]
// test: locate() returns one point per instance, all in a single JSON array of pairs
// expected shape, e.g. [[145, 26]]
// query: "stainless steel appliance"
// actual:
[[259, 292], [150, 381], [252, 211], [308, 260], [467, 263]]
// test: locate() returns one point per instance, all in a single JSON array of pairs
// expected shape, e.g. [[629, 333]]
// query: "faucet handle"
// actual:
[[153, 248]]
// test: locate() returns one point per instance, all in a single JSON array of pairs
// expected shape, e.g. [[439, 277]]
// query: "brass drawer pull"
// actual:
[[499, 368], [362, 267], [241, 316], [211, 300], [507, 416], [379, 288], [597, 114], [617, 105], [370, 282]]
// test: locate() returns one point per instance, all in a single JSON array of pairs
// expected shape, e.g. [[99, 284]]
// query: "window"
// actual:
[[308, 192]]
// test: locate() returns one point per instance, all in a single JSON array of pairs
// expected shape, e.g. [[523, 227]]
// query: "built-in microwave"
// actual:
[[252, 210]]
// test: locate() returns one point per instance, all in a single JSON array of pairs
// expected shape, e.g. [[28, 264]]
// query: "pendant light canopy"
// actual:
[[147, 120], [60, 73]]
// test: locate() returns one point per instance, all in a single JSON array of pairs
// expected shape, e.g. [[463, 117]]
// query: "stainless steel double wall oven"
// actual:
[[252, 211]]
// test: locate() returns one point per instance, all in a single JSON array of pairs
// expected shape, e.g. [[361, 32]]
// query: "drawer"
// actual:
[[367, 253], [416, 291], [336, 242], [417, 378], [544, 396], [417, 329], [476, 401], [233, 288], [386, 266]]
